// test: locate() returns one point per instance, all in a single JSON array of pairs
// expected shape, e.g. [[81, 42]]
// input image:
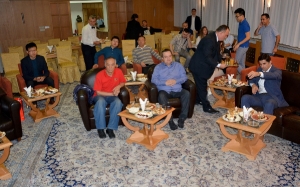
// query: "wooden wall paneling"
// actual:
[[92, 9], [8, 28]]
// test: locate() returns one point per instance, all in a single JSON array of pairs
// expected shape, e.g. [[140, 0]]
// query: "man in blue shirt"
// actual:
[[112, 51], [168, 77], [243, 38]]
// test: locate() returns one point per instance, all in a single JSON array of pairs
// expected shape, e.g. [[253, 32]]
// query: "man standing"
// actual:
[[265, 83], [107, 87], [148, 30], [269, 35], [194, 22], [243, 38], [179, 45], [34, 68], [88, 41], [203, 63], [168, 77], [112, 51], [142, 54]]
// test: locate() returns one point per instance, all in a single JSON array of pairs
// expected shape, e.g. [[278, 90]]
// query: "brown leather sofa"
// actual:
[[175, 102], [287, 122], [10, 121], [6, 85], [86, 109]]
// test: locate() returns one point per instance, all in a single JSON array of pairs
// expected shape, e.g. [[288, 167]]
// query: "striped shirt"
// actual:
[[144, 54]]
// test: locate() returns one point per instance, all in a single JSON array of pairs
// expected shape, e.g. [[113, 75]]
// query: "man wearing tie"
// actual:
[[88, 41], [265, 83]]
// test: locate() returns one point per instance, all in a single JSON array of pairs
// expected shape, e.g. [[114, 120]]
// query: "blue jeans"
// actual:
[[184, 96], [99, 111], [264, 100], [240, 57]]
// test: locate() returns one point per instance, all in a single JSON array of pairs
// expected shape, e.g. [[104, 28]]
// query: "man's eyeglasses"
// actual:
[[237, 16]]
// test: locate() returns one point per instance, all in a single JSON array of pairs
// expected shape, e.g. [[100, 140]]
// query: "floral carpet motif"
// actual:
[[60, 152]]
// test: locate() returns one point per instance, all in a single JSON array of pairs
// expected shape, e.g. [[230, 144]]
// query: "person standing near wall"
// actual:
[[88, 41], [243, 38]]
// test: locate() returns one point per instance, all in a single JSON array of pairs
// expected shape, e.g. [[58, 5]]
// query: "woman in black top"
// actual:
[[134, 29]]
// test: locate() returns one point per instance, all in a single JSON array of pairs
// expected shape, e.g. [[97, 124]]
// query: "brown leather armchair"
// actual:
[[6, 85], [101, 64], [175, 102], [10, 121], [22, 84], [287, 122], [86, 109]]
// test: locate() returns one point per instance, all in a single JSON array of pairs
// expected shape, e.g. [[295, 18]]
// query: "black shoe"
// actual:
[[101, 133], [173, 126], [181, 123], [110, 133], [198, 103], [211, 110]]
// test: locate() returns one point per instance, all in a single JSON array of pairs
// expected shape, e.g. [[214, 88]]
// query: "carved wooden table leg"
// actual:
[[4, 173], [222, 100], [136, 136]]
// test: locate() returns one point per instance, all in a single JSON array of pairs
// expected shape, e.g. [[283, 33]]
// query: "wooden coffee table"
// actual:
[[4, 173], [148, 137], [240, 144], [222, 100], [39, 114]]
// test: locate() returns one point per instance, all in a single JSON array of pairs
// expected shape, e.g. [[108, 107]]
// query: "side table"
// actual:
[[4, 173]]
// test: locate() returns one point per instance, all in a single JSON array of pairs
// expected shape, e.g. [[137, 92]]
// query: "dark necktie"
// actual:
[[93, 27]]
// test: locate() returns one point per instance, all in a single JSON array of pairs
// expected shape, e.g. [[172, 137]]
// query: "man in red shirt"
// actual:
[[107, 87]]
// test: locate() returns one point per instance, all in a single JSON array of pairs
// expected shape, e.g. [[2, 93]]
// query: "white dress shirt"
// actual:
[[261, 82], [193, 23], [89, 35]]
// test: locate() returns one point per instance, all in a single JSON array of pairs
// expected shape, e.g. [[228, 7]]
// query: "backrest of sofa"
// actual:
[[290, 86], [89, 76]]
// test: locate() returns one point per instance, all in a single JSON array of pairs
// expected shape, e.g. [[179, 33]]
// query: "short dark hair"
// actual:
[[92, 17], [186, 30], [265, 57], [30, 45], [240, 11], [141, 37], [144, 21], [115, 37], [194, 9], [165, 50], [134, 16], [265, 14], [222, 28]]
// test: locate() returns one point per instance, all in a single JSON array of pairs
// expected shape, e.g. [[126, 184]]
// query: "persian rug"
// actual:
[[60, 152]]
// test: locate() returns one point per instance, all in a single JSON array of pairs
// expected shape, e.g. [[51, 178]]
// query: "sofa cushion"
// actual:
[[6, 123], [289, 85], [291, 127]]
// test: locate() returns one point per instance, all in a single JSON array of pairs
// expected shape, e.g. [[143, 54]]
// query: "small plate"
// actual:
[[158, 111], [236, 119], [239, 84], [2, 134], [143, 79], [255, 118], [143, 115]]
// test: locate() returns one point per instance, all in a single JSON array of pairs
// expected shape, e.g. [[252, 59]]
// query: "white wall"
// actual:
[[76, 9]]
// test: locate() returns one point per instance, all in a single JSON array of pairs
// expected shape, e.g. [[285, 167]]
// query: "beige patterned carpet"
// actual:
[[60, 152]]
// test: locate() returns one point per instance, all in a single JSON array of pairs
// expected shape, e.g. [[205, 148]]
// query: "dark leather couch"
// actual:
[[175, 102], [86, 110], [10, 121], [287, 122]]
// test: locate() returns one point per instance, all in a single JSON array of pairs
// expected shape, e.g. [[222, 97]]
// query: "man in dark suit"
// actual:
[[34, 68], [265, 83], [203, 63], [194, 21]]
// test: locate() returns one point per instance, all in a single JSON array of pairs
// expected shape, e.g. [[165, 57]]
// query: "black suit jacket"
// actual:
[[207, 56], [198, 23], [134, 30], [27, 67]]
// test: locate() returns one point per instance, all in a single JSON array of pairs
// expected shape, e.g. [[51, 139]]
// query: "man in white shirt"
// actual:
[[265, 84], [194, 21], [88, 41], [228, 42]]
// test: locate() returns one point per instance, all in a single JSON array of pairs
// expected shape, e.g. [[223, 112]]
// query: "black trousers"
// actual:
[[201, 85], [145, 69], [88, 53], [47, 80]]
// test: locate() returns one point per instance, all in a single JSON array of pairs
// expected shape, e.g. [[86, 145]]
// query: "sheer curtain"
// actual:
[[214, 14], [182, 9]]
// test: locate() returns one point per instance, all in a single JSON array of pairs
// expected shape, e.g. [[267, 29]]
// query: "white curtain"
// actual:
[[183, 9], [214, 14], [285, 16]]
